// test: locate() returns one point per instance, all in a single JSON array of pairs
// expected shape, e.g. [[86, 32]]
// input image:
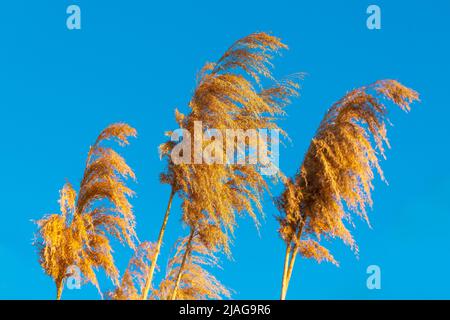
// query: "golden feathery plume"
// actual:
[[78, 236], [226, 98], [336, 176]]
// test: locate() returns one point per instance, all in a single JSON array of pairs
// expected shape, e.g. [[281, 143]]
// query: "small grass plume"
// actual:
[[187, 276], [133, 280], [335, 179], [78, 235]]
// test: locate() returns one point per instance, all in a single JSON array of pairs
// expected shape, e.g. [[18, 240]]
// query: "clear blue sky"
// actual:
[[135, 61]]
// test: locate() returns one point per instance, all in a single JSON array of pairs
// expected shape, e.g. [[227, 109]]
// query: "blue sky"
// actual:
[[135, 61]]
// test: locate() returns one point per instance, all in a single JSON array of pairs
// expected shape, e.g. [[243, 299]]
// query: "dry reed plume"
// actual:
[[335, 179], [186, 277], [333, 183], [78, 235], [133, 279], [225, 98]]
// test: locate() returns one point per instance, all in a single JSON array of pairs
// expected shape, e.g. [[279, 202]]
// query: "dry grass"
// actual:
[[335, 179], [79, 234], [228, 96], [196, 282]]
